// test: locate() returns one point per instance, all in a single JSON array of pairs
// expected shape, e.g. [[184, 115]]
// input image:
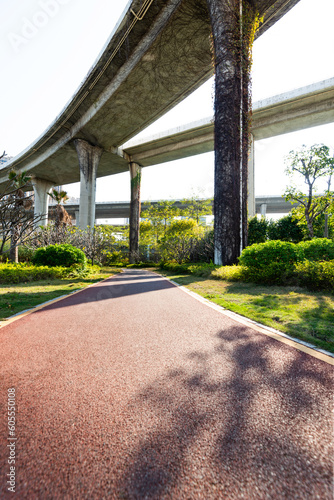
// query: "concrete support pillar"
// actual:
[[263, 209], [251, 179], [41, 195], [77, 219], [89, 157], [135, 175]]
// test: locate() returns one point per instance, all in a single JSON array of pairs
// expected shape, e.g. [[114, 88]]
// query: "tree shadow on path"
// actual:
[[247, 418]]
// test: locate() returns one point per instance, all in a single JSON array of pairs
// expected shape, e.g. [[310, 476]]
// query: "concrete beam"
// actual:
[[301, 108], [89, 157]]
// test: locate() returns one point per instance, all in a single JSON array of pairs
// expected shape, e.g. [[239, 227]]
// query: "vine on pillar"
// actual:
[[234, 23]]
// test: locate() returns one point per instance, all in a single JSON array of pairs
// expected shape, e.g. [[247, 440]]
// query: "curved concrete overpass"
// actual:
[[121, 209], [295, 110], [158, 54]]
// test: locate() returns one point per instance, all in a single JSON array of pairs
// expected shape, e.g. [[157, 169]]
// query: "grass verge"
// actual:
[[15, 298], [306, 315]]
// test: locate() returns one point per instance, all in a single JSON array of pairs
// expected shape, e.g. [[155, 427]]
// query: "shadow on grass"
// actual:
[[230, 426], [270, 305]]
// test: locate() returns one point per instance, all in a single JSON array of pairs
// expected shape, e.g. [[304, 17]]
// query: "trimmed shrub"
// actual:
[[59, 255], [261, 255], [22, 272], [315, 275], [174, 267], [270, 262], [318, 249]]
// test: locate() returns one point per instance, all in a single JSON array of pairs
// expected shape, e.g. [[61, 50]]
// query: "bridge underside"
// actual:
[[158, 54], [147, 67]]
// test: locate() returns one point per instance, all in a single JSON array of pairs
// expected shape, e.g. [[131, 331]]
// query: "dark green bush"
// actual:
[[262, 255], [59, 255], [318, 249], [285, 229], [315, 275], [257, 230], [270, 262]]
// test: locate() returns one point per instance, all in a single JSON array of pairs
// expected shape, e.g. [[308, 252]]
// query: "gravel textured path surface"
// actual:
[[133, 389]]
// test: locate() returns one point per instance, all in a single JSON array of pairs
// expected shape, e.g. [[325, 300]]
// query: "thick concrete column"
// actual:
[[263, 209], [251, 178], [135, 175], [89, 157], [232, 57], [41, 195], [77, 219]]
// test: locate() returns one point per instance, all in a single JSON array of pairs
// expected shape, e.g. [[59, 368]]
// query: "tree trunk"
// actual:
[[14, 250], [309, 226], [231, 130]]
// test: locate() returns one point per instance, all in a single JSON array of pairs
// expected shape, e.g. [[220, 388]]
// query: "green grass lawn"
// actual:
[[305, 315], [16, 298]]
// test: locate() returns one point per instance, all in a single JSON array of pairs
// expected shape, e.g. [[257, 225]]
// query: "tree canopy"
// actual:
[[312, 164]]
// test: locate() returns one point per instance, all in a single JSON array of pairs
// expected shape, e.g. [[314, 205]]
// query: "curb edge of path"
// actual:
[[313, 351], [310, 349]]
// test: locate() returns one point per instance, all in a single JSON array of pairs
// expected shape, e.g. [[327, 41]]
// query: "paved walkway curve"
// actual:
[[132, 389]]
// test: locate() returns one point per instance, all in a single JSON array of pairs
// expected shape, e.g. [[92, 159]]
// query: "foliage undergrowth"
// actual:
[[23, 272]]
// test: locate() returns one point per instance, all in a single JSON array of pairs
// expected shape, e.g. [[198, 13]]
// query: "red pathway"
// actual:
[[133, 389]]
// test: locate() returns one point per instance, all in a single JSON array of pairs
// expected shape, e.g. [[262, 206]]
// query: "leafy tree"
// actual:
[[17, 219], [312, 164], [196, 207], [160, 215], [180, 239]]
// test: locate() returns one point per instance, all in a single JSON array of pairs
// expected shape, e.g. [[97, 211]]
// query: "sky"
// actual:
[[48, 46]]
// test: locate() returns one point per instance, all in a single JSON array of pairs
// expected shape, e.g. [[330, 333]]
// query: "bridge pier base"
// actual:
[[89, 157], [135, 175], [251, 178], [41, 195]]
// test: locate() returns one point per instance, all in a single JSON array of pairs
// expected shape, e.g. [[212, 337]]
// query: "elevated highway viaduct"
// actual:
[[158, 53], [121, 209], [295, 110]]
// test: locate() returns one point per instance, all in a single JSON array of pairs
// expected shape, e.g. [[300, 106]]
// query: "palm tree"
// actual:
[[62, 217]]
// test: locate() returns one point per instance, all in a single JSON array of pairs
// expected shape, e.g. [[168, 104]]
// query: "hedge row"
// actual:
[[308, 264], [22, 272]]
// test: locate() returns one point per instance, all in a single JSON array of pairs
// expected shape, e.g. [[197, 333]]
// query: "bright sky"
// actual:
[[48, 47]]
